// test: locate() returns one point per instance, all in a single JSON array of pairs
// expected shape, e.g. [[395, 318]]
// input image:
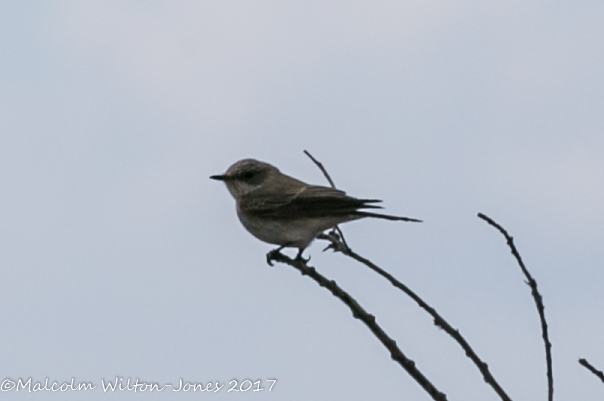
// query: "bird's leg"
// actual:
[[271, 255], [337, 243], [299, 256]]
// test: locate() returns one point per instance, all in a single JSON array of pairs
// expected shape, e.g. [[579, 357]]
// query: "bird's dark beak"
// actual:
[[220, 177]]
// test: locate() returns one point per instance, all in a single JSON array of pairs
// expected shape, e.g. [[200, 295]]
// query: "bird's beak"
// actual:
[[220, 177]]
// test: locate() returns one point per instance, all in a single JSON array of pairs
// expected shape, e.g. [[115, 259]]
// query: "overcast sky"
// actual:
[[120, 258]]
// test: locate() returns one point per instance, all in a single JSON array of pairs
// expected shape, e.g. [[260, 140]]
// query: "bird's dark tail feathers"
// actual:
[[386, 216]]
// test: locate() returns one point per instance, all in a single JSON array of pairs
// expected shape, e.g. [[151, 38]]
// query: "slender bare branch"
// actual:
[[359, 313], [342, 246], [438, 321], [320, 165], [538, 301], [593, 370], [326, 174]]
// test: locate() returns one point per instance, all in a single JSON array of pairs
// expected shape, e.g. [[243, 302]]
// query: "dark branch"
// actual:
[[538, 301], [320, 165], [338, 244], [592, 369], [438, 321], [359, 313], [326, 174]]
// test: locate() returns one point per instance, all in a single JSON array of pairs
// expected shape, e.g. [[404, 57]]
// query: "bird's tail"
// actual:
[[386, 216]]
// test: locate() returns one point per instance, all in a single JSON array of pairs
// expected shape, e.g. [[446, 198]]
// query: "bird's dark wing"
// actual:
[[309, 202]]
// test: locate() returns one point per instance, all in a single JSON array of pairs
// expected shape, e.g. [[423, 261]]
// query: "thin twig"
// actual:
[[438, 320], [593, 370], [320, 165], [538, 301], [326, 174], [369, 320]]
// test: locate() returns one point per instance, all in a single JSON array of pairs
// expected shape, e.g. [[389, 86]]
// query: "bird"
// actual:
[[282, 210]]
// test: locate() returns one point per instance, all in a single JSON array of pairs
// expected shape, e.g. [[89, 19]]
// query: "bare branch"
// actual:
[[592, 369], [320, 165], [359, 313], [538, 301], [440, 322], [326, 174], [342, 246]]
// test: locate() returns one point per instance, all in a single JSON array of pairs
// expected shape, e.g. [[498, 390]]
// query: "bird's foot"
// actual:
[[272, 255], [300, 258], [337, 245], [275, 254]]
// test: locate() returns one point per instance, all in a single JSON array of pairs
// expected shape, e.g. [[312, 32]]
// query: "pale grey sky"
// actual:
[[119, 257]]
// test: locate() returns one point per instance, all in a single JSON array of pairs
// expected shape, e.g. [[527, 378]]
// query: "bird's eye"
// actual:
[[248, 176]]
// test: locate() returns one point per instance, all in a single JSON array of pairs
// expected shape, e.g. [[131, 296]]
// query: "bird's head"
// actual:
[[245, 176]]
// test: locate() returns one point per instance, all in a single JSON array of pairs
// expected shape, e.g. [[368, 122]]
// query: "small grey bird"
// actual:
[[284, 211]]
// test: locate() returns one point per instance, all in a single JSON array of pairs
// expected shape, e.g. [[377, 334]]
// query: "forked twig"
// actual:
[[438, 320], [359, 313], [593, 370], [538, 301], [326, 174]]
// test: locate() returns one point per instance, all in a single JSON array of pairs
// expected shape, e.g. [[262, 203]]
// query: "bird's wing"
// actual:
[[309, 201]]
